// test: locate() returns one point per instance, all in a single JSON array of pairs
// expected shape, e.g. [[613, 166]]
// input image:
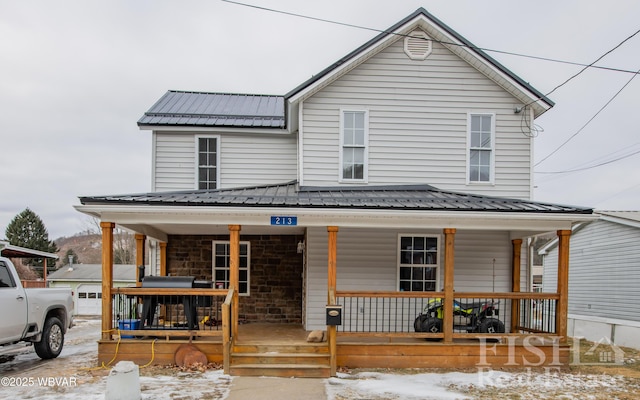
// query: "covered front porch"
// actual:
[[377, 328], [466, 272]]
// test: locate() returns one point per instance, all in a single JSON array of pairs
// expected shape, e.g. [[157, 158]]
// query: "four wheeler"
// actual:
[[470, 317]]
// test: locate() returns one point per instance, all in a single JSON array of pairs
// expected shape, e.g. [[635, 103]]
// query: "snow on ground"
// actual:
[[74, 375], [484, 384], [374, 385]]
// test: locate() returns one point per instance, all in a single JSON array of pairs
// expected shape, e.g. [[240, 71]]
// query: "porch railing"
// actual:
[[394, 313], [167, 312]]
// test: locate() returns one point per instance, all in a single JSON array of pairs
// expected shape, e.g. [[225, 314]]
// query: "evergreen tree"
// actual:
[[27, 230]]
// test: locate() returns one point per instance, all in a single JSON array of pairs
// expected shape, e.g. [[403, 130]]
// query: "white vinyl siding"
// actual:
[[604, 271], [418, 112], [245, 160], [367, 260], [257, 160], [174, 162]]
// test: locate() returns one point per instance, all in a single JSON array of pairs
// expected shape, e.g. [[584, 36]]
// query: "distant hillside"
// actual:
[[88, 247]]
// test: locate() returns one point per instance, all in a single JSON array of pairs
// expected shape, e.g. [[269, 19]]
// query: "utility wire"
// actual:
[[591, 166], [592, 65], [589, 121], [586, 66], [617, 194]]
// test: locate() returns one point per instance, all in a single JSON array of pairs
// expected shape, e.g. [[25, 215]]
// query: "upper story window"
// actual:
[[221, 270], [481, 148], [208, 152], [354, 137], [418, 263]]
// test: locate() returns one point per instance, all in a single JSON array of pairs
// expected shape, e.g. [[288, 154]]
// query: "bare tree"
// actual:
[[24, 272], [124, 242]]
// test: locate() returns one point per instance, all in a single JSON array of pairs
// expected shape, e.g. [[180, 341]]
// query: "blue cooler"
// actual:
[[128, 325]]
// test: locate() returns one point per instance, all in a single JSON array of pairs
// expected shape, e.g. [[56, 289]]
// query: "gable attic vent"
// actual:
[[417, 45]]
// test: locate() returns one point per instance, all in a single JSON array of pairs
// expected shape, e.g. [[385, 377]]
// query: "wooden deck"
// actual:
[[282, 350]]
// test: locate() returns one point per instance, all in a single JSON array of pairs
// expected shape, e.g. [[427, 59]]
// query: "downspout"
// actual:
[[300, 144]]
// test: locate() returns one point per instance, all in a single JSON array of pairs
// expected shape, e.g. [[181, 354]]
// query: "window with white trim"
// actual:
[[419, 261], [354, 136], [481, 153], [221, 261], [207, 162]]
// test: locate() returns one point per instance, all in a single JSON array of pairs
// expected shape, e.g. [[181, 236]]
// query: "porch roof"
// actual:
[[422, 207], [390, 197]]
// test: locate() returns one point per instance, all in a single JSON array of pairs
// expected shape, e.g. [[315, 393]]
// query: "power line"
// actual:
[[617, 194], [589, 121], [591, 166], [586, 66], [591, 65], [598, 59]]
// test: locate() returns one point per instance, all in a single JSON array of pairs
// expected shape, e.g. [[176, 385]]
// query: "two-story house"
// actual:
[[399, 176]]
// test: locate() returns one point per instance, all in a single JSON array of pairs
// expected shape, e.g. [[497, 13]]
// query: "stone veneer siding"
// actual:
[[275, 293]]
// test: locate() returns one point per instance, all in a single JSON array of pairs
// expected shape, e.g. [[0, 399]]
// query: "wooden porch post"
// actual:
[[516, 251], [107, 278], [562, 308], [140, 239], [332, 253], [447, 318], [163, 259], [234, 274]]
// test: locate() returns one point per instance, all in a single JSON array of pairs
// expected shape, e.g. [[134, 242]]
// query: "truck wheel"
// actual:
[[50, 345]]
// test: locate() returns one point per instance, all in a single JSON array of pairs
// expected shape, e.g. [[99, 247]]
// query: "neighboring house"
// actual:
[[604, 278], [85, 281], [400, 173]]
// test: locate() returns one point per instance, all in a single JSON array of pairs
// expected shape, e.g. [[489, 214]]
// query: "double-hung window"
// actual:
[[208, 152], [419, 261], [221, 262], [354, 126], [481, 148]]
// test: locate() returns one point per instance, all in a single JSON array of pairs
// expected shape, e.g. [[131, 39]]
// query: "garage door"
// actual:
[[89, 300]]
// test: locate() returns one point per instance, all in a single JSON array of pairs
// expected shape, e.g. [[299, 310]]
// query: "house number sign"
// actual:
[[284, 220]]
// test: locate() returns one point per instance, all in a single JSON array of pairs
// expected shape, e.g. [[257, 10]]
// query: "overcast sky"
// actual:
[[76, 75]]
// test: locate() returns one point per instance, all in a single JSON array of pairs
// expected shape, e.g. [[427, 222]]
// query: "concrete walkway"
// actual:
[[268, 388]]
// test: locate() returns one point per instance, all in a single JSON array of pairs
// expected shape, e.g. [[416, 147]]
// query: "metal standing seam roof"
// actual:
[[178, 108], [201, 109], [291, 195]]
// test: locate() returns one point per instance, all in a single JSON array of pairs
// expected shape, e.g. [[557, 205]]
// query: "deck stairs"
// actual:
[[300, 360]]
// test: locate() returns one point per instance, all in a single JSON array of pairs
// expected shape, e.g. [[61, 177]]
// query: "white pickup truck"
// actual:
[[41, 316]]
